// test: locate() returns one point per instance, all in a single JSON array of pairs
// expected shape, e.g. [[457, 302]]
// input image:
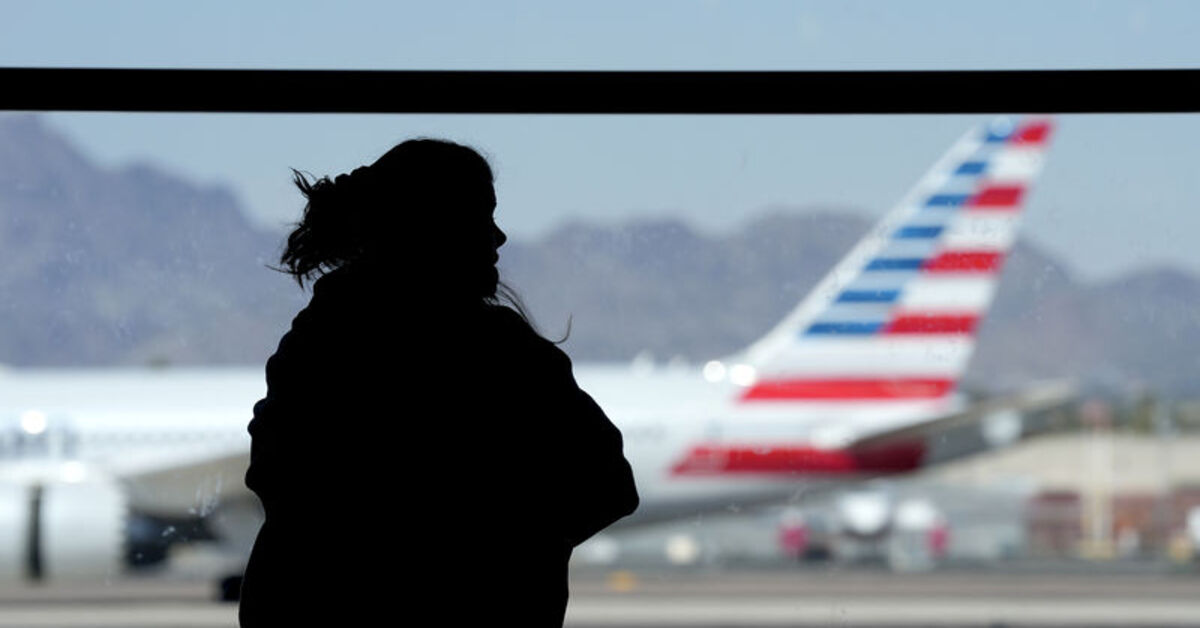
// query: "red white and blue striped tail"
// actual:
[[895, 321]]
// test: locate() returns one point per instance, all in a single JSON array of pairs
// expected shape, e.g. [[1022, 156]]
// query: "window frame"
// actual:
[[598, 92]]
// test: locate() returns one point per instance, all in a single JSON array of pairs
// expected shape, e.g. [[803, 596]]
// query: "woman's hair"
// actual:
[[419, 186], [419, 199]]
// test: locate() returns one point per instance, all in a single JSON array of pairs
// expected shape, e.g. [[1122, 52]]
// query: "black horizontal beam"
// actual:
[[553, 92]]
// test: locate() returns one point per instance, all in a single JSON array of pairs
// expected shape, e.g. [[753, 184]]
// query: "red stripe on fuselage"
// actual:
[[848, 389], [711, 460]]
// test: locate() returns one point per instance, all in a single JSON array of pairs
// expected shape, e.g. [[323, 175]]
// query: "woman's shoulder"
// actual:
[[505, 320], [507, 317], [510, 326]]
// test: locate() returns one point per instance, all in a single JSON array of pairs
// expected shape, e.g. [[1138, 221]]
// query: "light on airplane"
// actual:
[[1002, 428], [714, 371], [743, 375], [682, 549], [864, 513], [33, 422], [73, 471]]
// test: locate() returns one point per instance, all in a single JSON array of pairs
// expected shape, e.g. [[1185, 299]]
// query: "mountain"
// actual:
[[663, 288], [136, 265], [659, 286], [127, 266]]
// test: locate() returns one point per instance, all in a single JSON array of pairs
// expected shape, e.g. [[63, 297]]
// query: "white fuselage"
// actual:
[[120, 423]]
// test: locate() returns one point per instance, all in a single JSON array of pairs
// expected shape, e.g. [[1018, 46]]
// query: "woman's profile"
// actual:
[[422, 454]]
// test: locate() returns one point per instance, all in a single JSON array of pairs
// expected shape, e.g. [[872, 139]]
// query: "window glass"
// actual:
[[139, 309], [142, 309]]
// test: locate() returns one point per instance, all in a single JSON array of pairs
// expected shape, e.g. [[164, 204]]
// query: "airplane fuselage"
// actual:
[[59, 425]]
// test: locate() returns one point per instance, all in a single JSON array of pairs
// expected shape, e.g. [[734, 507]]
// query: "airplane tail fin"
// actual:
[[895, 320]]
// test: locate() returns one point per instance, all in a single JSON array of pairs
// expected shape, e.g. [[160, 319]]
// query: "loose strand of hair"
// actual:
[[507, 295]]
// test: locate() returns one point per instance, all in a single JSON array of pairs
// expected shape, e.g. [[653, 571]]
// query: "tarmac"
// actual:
[[878, 598], [706, 598]]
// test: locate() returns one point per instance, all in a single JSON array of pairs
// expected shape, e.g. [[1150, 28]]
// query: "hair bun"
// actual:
[[349, 213]]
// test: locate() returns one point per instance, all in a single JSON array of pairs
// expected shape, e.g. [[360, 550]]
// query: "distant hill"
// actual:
[[137, 265], [663, 288], [126, 266]]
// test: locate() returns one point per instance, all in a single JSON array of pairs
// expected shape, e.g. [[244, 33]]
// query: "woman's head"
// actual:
[[423, 209]]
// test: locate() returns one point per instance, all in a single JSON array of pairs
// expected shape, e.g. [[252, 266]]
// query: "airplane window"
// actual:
[[865, 364]]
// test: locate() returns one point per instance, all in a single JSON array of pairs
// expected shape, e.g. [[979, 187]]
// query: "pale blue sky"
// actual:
[[1118, 191]]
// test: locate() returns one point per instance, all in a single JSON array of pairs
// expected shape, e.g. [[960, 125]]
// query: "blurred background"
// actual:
[[142, 241]]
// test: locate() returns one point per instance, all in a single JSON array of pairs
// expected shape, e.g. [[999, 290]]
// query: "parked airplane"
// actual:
[[102, 469]]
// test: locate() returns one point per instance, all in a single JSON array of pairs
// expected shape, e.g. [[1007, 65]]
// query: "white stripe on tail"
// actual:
[[895, 321]]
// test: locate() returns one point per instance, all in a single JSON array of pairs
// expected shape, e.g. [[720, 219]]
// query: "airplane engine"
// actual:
[[806, 535], [62, 530], [920, 536], [865, 514], [863, 523]]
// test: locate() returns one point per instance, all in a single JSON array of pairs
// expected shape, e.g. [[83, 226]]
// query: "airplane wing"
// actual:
[[191, 485], [988, 424]]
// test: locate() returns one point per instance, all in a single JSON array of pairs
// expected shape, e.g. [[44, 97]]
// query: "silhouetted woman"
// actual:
[[422, 455]]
